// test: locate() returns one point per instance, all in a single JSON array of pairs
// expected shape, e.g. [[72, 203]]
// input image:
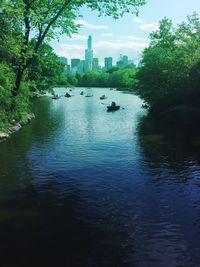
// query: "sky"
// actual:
[[127, 35]]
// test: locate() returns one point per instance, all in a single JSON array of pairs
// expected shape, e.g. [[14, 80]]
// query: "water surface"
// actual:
[[83, 187]]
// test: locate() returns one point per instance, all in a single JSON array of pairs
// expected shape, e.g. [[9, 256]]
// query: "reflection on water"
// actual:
[[83, 187]]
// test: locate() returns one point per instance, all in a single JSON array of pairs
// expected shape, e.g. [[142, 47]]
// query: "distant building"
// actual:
[[123, 61], [87, 66], [89, 54], [92, 64], [63, 60], [95, 64], [90, 42], [131, 62], [81, 66], [120, 64], [108, 63], [74, 64], [68, 68]]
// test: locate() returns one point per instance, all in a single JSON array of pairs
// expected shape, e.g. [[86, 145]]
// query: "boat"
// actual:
[[67, 95], [88, 95], [103, 97], [82, 93], [145, 106], [112, 108], [55, 97]]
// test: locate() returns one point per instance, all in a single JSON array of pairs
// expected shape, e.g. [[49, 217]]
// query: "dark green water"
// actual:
[[83, 187]]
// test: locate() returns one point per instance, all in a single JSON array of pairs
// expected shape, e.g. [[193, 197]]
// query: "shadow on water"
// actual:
[[52, 119], [171, 165], [41, 226], [14, 165], [168, 144]]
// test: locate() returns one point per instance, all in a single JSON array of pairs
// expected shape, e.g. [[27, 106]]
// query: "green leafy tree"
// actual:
[[47, 71], [48, 19], [120, 78], [72, 80], [169, 70]]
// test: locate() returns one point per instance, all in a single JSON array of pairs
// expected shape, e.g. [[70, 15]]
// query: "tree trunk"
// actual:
[[18, 80]]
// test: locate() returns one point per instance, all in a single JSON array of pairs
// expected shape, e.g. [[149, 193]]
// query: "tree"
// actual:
[[47, 19], [156, 70], [169, 69], [47, 71]]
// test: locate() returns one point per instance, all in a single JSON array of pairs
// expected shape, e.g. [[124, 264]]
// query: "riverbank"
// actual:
[[9, 129]]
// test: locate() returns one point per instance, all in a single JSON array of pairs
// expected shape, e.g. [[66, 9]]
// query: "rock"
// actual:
[[27, 119], [16, 127], [3, 135], [30, 117]]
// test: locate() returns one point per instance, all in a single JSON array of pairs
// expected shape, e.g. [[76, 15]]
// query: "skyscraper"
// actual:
[[123, 61], [90, 42], [74, 64], [95, 64], [89, 54], [108, 63]]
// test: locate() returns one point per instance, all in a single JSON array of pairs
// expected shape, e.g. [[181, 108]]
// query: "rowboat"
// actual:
[[102, 97], [112, 108], [88, 95]]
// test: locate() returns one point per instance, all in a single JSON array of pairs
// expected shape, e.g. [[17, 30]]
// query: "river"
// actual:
[[81, 186]]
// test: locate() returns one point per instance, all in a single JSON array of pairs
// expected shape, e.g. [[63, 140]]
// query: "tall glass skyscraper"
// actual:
[[108, 63], [89, 54], [90, 42]]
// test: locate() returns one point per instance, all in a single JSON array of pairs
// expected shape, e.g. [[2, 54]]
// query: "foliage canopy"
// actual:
[[169, 69]]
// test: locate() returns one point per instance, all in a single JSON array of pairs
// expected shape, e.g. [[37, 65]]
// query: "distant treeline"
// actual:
[[123, 78]]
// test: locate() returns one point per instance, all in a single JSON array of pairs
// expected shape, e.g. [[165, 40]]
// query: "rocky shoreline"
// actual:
[[16, 127]]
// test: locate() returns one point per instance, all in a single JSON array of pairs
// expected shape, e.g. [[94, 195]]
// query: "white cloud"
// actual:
[[134, 38], [91, 26], [71, 51], [138, 20], [77, 47], [109, 34], [149, 26], [116, 45], [146, 26], [78, 37]]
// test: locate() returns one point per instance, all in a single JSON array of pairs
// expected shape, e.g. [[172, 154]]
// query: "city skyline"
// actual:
[[91, 63], [128, 35]]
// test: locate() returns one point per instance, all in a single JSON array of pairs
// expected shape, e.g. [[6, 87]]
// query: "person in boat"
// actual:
[[113, 104], [103, 97], [67, 95], [55, 96]]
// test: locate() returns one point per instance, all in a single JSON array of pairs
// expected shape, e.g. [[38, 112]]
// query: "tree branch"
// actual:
[[53, 20]]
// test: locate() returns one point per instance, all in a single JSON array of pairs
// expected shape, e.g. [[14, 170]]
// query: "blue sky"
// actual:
[[128, 35]]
